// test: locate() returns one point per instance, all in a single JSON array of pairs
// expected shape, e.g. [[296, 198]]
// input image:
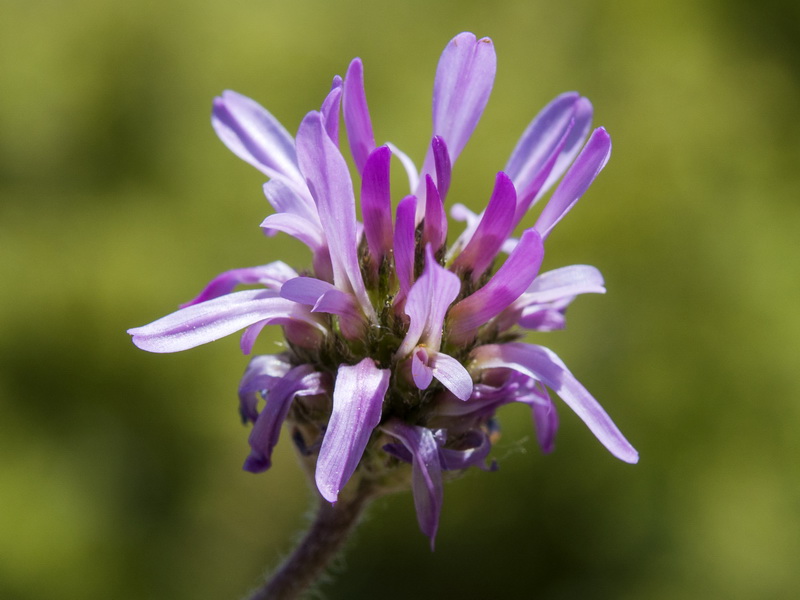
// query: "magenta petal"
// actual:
[[405, 243], [494, 228], [330, 110], [427, 304], [443, 167], [357, 403], [376, 203], [356, 114], [587, 166], [464, 79], [272, 276], [505, 286], [329, 181], [452, 375], [543, 364], [434, 230], [426, 473], [254, 135], [208, 321]]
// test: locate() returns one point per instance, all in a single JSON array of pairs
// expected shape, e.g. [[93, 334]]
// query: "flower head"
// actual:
[[401, 347]]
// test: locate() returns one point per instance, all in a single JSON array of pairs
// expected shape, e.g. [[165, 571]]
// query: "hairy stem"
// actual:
[[329, 531]]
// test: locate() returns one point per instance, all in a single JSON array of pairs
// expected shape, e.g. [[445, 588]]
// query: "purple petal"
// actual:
[[324, 297], [493, 229], [542, 364], [330, 110], [548, 145], [254, 135], [464, 79], [589, 163], [473, 456], [299, 228], [443, 167], [543, 318], [565, 282], [300, 380], [434, 230], [505, 286], [357, 402], [421, 373], [405, 243], [452, 375], [426, 473], [272, 276], [329, 181], [545, 422], [287, 198], [427, 304], [376, 203], [202, 323], [262, 373], [356, 115]]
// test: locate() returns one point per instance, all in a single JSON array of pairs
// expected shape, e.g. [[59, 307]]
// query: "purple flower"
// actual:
[[399, 346]]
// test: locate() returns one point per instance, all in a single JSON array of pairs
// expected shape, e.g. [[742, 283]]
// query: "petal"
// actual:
[[548, 145], [494, 227], [434, 230], [356, 115], [421, 373], [588, 165], [443, 167], [324, 297], [272, 276], [287, 198], [405, 244], [330, 110], [473, 456], [329, 181], [408, 165], [426, 305], [426, 473], [262, 373], [452, 375], [254, 135], [299, 228], [266, 431], [208, 321], [464, 79], [564, 282], [505, 286], [542, 364], [357, 402], [376, 203]]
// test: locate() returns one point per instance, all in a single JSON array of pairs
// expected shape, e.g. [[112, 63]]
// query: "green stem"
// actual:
[[321, 543]]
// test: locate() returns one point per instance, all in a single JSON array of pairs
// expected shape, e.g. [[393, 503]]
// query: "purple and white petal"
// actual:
[[261, 374], [330, 110], [587, 166], [254, 135], [272, 275], [421, 372], [543, 364], [427, 304], [286, 197], [565, 282], [452, 375], [426, 473], [505, 286], [208, 321], [408, 165], [357, 403], [329, 181], [299, 228], [356, 115]]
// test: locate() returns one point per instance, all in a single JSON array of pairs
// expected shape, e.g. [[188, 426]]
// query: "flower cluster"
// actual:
[[401, 347]]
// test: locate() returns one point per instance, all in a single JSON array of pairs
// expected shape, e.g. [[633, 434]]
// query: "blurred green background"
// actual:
[[120, 471]]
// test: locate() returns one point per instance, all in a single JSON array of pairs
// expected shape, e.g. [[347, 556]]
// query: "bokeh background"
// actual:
[[120, 471]]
